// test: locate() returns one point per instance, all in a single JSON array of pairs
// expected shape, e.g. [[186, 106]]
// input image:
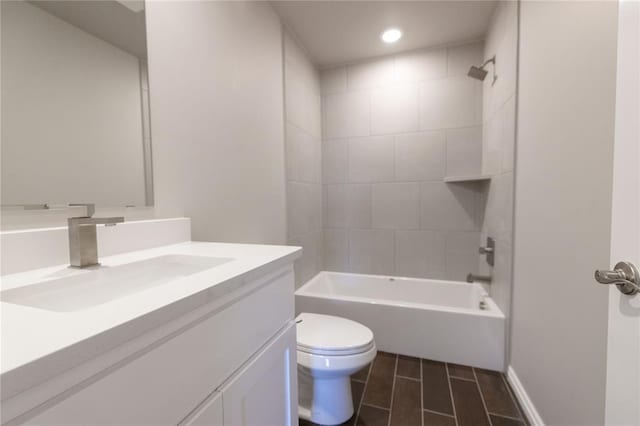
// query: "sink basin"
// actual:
[[103, 284]]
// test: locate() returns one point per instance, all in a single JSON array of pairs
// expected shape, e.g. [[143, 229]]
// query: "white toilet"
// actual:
[[330, 349]]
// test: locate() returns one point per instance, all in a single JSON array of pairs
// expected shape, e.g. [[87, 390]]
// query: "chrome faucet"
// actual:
[[482, 278], [83, 242]]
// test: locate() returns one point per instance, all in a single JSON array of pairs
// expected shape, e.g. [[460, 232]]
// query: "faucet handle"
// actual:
[[91, 207]]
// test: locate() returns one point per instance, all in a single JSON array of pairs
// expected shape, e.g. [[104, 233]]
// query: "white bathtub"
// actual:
[[433, 319]]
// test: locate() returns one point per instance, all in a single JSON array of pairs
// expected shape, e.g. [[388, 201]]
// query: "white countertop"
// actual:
[[57, 341]]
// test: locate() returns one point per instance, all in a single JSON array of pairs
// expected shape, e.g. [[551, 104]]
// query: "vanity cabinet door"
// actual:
[[264, 392], [209, 413]]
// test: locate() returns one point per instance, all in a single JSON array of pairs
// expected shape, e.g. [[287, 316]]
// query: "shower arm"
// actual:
[[491, 60]]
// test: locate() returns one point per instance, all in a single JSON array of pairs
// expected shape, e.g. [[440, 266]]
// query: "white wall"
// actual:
[[217, 118], [71, 114], [303, 158], [498, 142], [566, 102], [393, 128]]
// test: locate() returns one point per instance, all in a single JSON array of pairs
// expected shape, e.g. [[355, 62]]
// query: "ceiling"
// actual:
[[335, 32], [120, 23]]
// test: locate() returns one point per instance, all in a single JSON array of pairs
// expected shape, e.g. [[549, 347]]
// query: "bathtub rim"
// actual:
[[494, 310]]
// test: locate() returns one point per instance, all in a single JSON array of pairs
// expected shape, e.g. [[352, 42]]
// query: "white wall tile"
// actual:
[[346, 115], [464, 151], [394, 109], [333, 80], [335, 160], [307, 266], [303, 103], [509, 135], [502, 276], [370, 74], [348, 206], [395, 205], [449, 103], [303, 155], [371, 159], [492, 141], [461, 254], [392, 182], [316, 206], [500, 207], [420, 156], [371, 251], [420, 65], [461, 58], [336, 250], [300, 209], [303, 159], [420, 253], [449, 206]]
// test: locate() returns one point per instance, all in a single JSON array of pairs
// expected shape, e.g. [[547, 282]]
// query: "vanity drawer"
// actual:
[[167, 382]]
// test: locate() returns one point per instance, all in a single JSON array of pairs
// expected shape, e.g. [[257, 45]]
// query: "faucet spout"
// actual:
[[83, 241]]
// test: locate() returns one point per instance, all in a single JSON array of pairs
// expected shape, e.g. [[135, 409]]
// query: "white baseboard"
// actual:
[[523, 398]]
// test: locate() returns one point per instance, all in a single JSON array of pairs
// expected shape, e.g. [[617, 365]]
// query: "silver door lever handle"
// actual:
[[624, 275]]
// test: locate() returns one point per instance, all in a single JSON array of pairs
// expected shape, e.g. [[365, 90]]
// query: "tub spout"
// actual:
[[482, 278]]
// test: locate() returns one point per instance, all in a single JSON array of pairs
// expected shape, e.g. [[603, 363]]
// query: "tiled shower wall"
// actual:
[[303, 158], [499, 117], [393, 128]]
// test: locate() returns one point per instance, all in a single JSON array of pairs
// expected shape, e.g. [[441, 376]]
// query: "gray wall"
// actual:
[[566, 97], [393, 128], [217, 118], [303, 158]]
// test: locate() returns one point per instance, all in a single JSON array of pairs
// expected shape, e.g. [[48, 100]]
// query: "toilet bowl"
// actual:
[[330, 349]]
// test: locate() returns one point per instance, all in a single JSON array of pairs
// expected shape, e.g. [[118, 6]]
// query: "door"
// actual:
[[623, 349], [264, 392]]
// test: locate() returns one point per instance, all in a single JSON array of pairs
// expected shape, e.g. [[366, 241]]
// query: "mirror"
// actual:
[[75, 103]]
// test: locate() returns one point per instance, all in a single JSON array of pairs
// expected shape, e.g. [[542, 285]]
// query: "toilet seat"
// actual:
[[327, 335]]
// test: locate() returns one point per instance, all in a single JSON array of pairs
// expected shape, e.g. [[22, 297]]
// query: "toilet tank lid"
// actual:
[[329, 333]]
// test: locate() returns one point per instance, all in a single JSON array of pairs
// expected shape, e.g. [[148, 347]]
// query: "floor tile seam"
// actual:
[[453, 403], [438, 413], [484, 404], [393, 388], [364, 392], [504, 416]]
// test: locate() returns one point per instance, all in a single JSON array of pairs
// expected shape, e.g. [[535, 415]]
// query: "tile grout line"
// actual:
[[502, 415], [364, 390], [366, 404], [462, 378], [408, 378], [484, 404], [453, 403], [439, 413], [393, 388]]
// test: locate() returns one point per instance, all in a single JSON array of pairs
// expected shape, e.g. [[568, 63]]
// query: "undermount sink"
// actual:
[[103, 284]]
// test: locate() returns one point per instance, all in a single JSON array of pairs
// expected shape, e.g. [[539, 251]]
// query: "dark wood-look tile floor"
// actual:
[[397, 390]]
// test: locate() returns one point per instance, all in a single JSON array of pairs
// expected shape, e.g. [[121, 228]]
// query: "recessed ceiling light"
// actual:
[[391, 35]]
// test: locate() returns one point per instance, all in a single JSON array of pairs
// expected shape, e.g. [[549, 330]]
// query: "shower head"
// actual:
[[478, 73]]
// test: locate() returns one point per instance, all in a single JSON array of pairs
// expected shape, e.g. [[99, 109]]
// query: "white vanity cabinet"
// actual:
[[236, 365], [262, 393]]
